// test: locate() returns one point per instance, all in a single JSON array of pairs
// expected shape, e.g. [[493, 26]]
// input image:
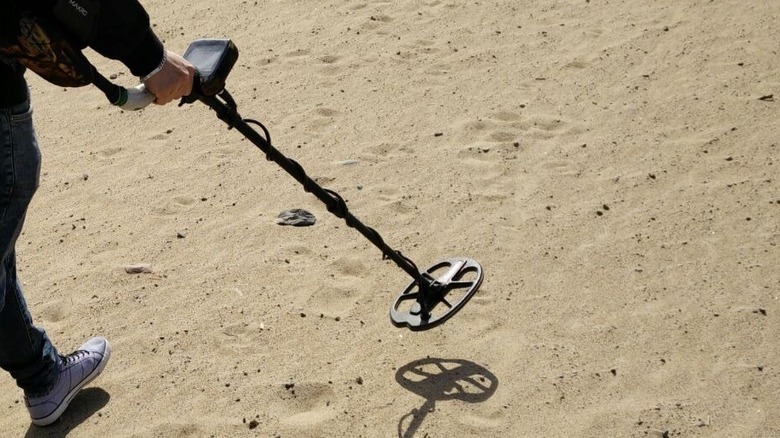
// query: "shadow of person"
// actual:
[[440, 380], [82, 407]]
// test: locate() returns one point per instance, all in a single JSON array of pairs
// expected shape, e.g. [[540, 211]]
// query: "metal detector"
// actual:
[[433, 296]]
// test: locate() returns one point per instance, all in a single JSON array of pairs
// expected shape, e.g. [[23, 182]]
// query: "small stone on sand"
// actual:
[[296, 217], [140, 268]]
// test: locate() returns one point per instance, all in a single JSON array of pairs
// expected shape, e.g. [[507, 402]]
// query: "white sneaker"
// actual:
[[76, 370]]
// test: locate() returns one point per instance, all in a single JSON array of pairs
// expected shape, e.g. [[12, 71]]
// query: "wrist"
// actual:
[[145, 55], [157, 69]]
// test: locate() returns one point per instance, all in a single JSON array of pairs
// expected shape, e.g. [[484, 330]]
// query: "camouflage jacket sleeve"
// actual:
[[117, 29]]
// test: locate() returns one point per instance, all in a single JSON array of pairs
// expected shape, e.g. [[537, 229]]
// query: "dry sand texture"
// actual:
[[612, 164]]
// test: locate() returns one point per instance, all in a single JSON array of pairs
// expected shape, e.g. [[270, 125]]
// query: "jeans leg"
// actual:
[[25, 350]]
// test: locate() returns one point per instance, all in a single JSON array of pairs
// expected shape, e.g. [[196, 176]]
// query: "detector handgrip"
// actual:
[[138, 97], [134, 99]]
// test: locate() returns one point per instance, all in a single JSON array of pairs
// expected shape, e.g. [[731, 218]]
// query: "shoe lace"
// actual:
[[73, 357]]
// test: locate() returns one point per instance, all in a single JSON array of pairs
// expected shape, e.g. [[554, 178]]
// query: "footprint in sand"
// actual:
[[332, 65], [330, 59], [382, 18], [306, 404], [172, 430], [502, 136], [478, 153], [349, 266], [110, 152], [497, 144], [546, 127], [482, 423], [426, 47], [318, 119], [335, 299], [160, 136], [507, 126], [403, 211], [577, 64], [239, 336], [55, 311], [497, 127], [297, 53], [174, 206], [506, 116], [227, 152], [384, 151], [559, 167], [326, 112], [375, 22]]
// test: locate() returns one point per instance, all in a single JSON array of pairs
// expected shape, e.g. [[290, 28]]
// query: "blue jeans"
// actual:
[[25, 350]]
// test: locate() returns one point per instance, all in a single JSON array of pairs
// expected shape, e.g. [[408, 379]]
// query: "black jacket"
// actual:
[[120, 31]]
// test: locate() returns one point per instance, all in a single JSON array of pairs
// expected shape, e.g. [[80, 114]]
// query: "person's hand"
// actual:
[[173, 81]]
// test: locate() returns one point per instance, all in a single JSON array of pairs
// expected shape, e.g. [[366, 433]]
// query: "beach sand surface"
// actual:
[[613, 166]]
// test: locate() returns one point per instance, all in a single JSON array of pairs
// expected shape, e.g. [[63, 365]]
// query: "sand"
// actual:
[[613, 165]]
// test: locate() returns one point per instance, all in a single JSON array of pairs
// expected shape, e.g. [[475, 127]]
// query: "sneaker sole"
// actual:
[[54, 416]]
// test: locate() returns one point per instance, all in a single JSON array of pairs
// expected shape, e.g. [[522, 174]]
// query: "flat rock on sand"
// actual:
[[296, 217]]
